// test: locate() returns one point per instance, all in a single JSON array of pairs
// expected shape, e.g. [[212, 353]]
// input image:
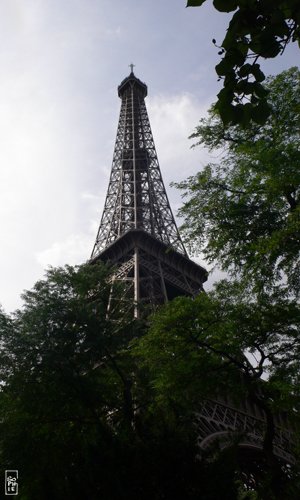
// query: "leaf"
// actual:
[[245, 70], [247, 109], [195, 3], [237, 54], [224, 66], [259, 90], [261, 112], [228, 112], [225, 95], [244, 87], [225, 5], [265, 44], [257, 73]]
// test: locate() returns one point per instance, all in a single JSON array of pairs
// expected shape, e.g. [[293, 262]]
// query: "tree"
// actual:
[[226, 342], [77, 414], [245, 211], [257, 29], [66, 389]]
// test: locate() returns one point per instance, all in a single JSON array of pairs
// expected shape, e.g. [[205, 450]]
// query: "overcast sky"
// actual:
[[60, 64]]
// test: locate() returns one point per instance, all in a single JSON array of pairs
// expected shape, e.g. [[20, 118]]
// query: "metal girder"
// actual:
[[219, 422]]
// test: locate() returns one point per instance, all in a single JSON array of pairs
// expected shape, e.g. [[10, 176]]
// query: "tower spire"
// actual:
[[136, 196], [138, 231]]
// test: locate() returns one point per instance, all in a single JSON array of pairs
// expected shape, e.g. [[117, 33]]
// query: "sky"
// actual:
[[60, 65]]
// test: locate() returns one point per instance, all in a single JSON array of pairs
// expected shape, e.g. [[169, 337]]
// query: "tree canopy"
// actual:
[[77, 411], [102, 407], [65, 388], [244, 212], [257, 29], [226, 345]]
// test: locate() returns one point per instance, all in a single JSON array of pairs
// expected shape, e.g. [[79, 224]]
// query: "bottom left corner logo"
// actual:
[[11, 482]]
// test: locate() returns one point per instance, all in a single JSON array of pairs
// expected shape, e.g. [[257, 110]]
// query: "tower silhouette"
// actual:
[[138, 232]]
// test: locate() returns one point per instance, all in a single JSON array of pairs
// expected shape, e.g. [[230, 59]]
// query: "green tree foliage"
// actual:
[[244, 212], [257, 29], [77, 412], [226, 345], [65, 391], [242, 340], [225, 333]]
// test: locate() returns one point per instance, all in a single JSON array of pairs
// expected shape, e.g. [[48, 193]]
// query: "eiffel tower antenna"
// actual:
[[138, 232]]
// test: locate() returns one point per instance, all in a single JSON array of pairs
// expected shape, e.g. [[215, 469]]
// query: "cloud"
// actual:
[[173, 119], [72, 251], [113, 32]]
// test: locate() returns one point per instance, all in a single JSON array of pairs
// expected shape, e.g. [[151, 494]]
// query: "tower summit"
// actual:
[[138, 232]]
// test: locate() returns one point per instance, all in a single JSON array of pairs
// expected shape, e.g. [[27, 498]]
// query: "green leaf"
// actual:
[[225, 5], [194, 3], [265, 44], [237, 54], [229, 114], [260, 90], [224, 66], [244, 87], [261, 112], [247, 109], [225, 95], [245, 70], [257, 73]]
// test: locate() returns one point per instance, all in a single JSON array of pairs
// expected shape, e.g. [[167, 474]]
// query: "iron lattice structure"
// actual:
[[136, 196], [222, 422], [138, 232]]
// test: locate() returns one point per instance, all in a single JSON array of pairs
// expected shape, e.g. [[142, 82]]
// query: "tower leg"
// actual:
[[136, 282]]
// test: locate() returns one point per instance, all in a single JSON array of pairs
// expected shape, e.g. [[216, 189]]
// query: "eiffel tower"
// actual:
[[138, 233]]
